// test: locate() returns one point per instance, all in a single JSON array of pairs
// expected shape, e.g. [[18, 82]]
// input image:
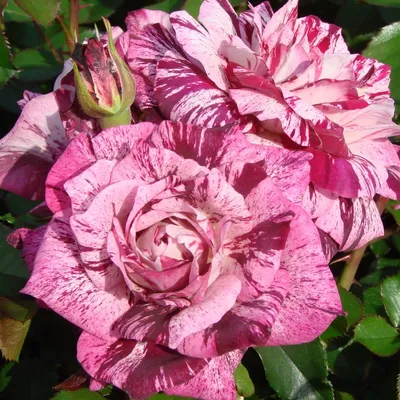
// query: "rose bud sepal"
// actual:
[[104, 84]]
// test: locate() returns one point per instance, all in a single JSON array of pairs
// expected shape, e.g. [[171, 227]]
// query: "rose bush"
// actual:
[[293, 83], [174, 254]]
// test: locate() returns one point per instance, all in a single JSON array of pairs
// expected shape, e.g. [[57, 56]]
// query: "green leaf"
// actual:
[[376, 277], [4, 377], [8, 218], [11, 262], [10, 285], [167, 5], [36, 65], [384, 3], [13, 13], [12, 337], [106, 391], [350, 362], [192, 7], [390, 291], [343, 396], [32, 379], [59, 42], [378, 336], [24, 35], [92, 10], [390, 207], [373, 302], [3, 4], [42, 11], [6, 75], [14, 90], [13, 271], [387, 262], [20, 309], [390, 15], [244, 384], [335, 329], [379, 248], [17, 205], [5, 56], [352, 16], [384, 47], [395, 239], [297, 372], [82, 394], [351, 305], [7, 70]]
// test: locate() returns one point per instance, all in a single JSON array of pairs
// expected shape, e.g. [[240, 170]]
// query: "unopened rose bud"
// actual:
[[104, 84]]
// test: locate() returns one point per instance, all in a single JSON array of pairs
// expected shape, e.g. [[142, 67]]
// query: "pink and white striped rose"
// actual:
[[174, 254], [293, 83]]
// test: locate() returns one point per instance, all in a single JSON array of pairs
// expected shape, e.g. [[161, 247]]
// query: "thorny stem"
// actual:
[[73, 19], [351, 267], [68, 35], [56, 54]]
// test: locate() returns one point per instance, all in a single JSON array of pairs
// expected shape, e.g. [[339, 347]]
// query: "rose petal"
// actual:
[[148, 164], [59, 279], [218, 300], [372, 77], [213, 196], [145, 322], [220, 20], [140, 369], [209, 147], [318, 202], [83, 188], [184, 94], [75, 158], [195, 42], [214, 382], [347, 177], [145, 49], [31, 148], [352, 222], [313, 300], [246, 324]]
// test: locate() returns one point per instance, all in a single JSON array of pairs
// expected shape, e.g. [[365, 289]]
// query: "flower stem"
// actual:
[[68, 35], [351, 267], [123, 118], [73, 19], [56, 54]]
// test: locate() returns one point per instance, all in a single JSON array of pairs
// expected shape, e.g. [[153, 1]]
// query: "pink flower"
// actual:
[[293, 83], [46, 125], [174, 255]]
